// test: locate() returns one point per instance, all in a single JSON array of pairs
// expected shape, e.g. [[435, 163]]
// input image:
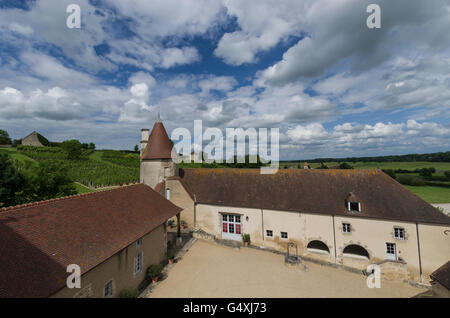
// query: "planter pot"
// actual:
[[182, 227], [245, 243], [155, 279], [171, 261]]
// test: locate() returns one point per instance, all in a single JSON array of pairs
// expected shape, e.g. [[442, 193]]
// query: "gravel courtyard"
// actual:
[[211, 270]]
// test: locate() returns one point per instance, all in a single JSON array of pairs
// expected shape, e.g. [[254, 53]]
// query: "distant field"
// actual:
[[15, 154], [444, 166], [431, 194]]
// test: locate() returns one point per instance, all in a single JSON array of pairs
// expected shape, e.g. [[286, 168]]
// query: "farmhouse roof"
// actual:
[[38, 240], [318, 191], [158, 146], [442, 275]]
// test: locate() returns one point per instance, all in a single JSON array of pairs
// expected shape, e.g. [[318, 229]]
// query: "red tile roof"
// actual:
[[310, 191], [158, 146], [39, 240]]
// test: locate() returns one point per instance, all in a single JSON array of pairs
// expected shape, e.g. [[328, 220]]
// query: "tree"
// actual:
[[4, 138], [136, 148], [73, 148], [322, 166], [11, 182], [49, 180], [447, 174], [91, 146], [390, 173], [425, 172], [345, 165]]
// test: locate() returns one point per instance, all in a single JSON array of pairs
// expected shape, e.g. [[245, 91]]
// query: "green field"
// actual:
[[431, 194], [102, 168], [442, 166]]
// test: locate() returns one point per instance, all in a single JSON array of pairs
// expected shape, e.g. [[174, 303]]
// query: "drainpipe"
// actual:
[[334, 237], [418, 249], [262, 224], [195, 212]]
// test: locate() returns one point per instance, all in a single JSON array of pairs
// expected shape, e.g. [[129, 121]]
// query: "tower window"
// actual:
[[399, 233]]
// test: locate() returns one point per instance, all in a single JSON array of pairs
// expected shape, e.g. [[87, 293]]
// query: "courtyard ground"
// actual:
[[211, 270]]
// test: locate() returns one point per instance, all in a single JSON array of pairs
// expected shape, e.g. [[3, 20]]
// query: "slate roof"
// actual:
[[39, 240], [442, 275], [318, 191], [158, 145]]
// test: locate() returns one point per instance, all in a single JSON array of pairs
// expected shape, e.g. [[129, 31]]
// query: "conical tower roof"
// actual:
[[159, 145]]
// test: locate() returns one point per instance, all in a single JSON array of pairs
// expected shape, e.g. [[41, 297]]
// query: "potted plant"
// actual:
[[170, 255], [183, 224], [171, 223], [246, 239], [154, 271]]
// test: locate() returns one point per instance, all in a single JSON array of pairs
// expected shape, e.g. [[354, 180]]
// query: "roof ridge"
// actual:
[[73, 196]]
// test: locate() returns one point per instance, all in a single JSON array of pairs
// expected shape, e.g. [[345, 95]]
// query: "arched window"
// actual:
[[317, 246], [356, 251]]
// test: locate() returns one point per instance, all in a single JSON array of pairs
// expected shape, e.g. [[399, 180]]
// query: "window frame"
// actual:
[[399, 229], [108, 283], [284, 238], [137, 257], [346, 226], [271, 233]]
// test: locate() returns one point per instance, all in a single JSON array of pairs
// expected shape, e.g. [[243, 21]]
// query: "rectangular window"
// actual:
[[399, 233], [355, 206], [391, 252], [346, 228], [284, 235], [238, 229], [269, 233], [225, 227], [238, 219], [138, 263], [108, 291], [230, 227], [225, 217], [231, 218], [138, 242]]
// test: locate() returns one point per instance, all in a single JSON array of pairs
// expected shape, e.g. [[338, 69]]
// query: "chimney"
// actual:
[[144, 139]]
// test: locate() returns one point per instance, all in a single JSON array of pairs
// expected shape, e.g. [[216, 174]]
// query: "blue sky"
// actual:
[[313, 69]]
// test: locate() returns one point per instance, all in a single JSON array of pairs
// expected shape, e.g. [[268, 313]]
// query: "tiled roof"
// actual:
[[442, 275], [39, 240], [318, 191], [158, 146]]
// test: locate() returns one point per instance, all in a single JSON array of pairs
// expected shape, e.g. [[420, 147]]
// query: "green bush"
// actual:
[[170, 253], [154, 270], [426, 172], [410, 180], [390, 173], [447, 174], [129, 293], [246, 238], [345, 165]]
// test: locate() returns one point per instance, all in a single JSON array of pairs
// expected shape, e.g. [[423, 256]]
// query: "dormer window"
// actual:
[[352, 203]]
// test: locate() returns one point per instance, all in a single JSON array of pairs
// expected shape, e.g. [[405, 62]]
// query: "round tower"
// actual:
[[156, 158]]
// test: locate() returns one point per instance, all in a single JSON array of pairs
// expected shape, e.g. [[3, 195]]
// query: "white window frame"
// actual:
[[391, 256], [345, 226], [349, 204], [139, 256], [398, 229], [267, 233], [284, 238], [110, 282]]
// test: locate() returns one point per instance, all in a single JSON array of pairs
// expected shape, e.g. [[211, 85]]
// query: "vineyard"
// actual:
[[95, 169]]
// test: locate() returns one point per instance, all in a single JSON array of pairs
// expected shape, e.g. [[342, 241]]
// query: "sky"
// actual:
[[311, 68]]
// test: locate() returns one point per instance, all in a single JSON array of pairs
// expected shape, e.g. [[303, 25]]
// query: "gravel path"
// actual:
[[211, 270]]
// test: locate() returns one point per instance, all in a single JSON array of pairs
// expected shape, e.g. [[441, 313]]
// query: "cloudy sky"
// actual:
[[312, 68]]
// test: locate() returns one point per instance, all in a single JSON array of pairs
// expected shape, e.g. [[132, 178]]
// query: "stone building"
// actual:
[[112, 235], [348, 217], [32, 140]]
